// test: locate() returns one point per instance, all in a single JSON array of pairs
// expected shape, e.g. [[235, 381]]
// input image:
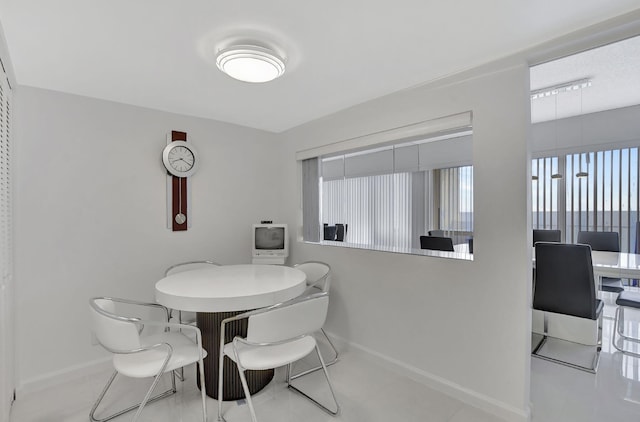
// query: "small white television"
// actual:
[[270, 243]]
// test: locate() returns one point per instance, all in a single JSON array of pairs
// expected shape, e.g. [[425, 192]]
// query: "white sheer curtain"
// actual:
[[311, 199], [377, 209], [456, 199]]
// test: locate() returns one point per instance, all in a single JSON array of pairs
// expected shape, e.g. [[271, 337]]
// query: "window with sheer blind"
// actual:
[[385, 197], [607, 198]]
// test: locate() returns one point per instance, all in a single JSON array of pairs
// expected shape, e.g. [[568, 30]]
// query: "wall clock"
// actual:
[[180, 159]]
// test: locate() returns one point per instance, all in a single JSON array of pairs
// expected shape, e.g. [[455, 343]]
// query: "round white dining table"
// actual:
[[219, 292], [230, 287]]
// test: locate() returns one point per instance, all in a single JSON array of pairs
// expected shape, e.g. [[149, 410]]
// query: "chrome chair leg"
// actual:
[[129, 409], [247, 394], [220, 378], [317, 368], [619, 331], [596, 359], [326, 375]]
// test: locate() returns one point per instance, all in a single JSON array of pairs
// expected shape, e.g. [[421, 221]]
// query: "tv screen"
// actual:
[[269, 238]]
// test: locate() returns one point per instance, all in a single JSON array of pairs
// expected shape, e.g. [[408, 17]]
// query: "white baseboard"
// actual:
[[473, 398], [470, 397], [55, 378]]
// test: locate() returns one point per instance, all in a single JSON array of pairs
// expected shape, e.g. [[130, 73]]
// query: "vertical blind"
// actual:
[[607, 199], [376, 208], [311, 199], [6, 248], [456, 199], [545, 193], [6, 226]]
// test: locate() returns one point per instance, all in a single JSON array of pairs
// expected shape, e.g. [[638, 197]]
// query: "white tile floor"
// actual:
[[560, 393], [368, 393]]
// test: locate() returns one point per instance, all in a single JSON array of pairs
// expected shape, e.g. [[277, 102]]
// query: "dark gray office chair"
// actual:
[[565, 285], [547, 236], [436, 243], [438, 233], [608, 242]]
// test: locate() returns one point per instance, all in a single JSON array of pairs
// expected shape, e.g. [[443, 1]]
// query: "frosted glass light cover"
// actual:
[[250, 63]]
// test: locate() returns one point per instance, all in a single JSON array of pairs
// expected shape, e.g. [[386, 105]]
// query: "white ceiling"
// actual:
[[160, 53], [614, 72]]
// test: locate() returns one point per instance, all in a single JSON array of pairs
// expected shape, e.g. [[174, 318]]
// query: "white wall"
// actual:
[[461, 326], [91, 213]]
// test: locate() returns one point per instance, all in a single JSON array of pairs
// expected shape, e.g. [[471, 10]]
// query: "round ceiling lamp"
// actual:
[[250, 63]]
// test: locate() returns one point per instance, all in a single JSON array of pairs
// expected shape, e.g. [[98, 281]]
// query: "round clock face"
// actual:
[[180, 159]]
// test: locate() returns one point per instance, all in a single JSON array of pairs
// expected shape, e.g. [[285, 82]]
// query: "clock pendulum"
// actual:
[[180, 218]]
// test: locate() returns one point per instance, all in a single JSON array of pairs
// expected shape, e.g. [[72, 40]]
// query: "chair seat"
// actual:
[[599, 307], [273, 356], [613, 285], [630, 299], [148, 363]]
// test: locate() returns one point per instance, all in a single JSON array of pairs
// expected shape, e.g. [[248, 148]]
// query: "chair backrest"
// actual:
[[547, 236], [438, 233], [436, 243], [289, 320], [600, 241], [190, 265], [318, 274], [115, 333], [564, 280]]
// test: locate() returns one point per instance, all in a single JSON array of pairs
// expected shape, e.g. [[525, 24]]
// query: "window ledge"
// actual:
[[461, 250]]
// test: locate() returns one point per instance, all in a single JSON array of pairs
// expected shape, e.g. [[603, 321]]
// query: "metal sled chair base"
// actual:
[[138, 406], [592, 369], [319, 367]]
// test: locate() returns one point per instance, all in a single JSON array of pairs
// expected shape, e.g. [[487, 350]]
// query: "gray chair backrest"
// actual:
[[600, 241], [438, 233], [564, 280], [436, 243], [547, 236]]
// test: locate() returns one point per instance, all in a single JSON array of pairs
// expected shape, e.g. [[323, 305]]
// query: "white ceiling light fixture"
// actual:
[[564, 87], [250, 63]]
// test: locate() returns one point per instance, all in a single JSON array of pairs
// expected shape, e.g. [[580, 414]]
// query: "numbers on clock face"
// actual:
[[181, 158]]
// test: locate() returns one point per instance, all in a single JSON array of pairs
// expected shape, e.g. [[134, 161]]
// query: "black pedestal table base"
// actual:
[[209, 324]]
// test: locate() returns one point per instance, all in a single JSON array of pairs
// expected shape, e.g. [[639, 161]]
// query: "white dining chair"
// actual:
[[276, 336], [188, 317], [140, 355], [318, 280]]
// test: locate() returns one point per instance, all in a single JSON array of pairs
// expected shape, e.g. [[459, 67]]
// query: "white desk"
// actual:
[[220, 292]]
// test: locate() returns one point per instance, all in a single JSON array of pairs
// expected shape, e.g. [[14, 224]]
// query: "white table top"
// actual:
[[616, 264], [613, 264], [228, 288]]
